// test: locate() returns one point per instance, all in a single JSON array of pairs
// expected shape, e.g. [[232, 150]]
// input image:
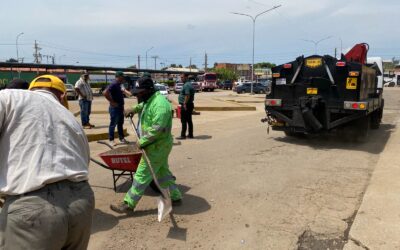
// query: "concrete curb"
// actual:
[[102, 136], [377, 223], [241, 108]]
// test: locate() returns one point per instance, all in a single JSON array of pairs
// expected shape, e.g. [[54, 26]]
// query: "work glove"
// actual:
[[129, 113]]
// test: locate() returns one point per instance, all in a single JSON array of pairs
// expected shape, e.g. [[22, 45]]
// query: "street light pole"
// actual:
[[16, 44], [316, 42], [146, 55], [254, 18]]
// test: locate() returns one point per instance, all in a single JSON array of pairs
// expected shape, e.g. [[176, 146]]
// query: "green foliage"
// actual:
[[264, 65], [226, 74], [12, 60]]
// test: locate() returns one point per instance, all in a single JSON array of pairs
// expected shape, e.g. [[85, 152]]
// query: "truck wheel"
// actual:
[[362, 127], [376, 116], [376, 119]]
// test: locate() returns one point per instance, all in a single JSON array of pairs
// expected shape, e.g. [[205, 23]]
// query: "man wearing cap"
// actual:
[[185, 99], [82, 87], [43, 170], [114, 93], [155, 137]]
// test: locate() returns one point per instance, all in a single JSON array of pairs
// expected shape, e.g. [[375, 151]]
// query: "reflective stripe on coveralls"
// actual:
[[156, 138]]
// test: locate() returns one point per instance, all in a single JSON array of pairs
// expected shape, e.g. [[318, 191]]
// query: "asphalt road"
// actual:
[[244, 188]]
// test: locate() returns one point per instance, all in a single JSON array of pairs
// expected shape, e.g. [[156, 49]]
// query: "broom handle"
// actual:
[[147, 159]]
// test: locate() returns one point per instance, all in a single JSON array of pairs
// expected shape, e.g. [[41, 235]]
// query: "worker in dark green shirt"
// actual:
[[186, 98]]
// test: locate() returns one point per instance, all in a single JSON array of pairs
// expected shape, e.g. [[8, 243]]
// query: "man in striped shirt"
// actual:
[[82, 87]]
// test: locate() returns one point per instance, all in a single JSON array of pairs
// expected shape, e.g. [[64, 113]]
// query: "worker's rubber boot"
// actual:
[[121, 208]]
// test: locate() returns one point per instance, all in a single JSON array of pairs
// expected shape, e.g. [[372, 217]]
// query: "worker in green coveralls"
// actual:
[[155, 123]]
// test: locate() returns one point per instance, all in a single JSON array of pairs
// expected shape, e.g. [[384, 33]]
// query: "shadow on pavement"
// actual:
[[203, 137], [374, 144], [103, 221]]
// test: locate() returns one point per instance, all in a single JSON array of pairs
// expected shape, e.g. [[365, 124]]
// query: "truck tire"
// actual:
[[362, 127], [376, 116]]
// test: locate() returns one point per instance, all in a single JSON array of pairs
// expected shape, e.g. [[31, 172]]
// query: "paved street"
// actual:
[[244, 188]]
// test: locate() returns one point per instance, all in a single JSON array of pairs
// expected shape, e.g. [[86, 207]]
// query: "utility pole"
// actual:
[[138, 61], [155, 61], [335, 52], [190, 65], [53, 59], [205, 61], [37, 55], [16, 44]]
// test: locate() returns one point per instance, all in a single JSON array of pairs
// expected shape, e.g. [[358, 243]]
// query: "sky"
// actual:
[[115, 33]]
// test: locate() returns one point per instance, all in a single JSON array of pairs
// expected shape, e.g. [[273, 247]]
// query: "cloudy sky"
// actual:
[[114, 33]]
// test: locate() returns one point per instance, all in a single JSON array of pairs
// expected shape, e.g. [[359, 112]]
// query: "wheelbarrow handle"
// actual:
[[105, 143], [147, 159]]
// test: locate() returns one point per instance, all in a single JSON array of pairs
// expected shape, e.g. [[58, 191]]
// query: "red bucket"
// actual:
[[178, 111]]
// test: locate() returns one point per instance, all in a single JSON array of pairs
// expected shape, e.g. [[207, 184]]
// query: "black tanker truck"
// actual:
[[316, 94]]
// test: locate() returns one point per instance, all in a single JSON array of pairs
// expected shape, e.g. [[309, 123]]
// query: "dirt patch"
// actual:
[[310, 240], [131, 149]]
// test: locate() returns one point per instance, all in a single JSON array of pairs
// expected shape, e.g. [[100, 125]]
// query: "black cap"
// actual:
[[145, 83], [18, 84]]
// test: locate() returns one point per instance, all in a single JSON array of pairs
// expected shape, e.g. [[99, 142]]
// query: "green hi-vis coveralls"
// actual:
[[156, 138]]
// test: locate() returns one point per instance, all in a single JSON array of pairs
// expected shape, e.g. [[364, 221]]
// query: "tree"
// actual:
[[12, 60], [180, 66], [264, 65], [173, 65], [226, 74], [193, 66]]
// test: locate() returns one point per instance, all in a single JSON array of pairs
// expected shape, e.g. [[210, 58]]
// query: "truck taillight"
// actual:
[[354, 73], [287, 66], [340, 64], [356, 105], [273, 102], [276, 75]]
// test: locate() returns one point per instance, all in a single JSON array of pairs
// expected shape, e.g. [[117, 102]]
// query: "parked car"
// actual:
[[227, 85], [196, 86], [71, 93], [162, 89], [246, 88], [178, 87], [267, 85], [389, 84]]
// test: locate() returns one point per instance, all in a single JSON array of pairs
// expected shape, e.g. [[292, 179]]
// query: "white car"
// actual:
[[162, 89]]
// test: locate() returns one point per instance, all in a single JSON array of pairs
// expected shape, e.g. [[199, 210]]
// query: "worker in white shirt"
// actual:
[[44, 158], [82, 87]]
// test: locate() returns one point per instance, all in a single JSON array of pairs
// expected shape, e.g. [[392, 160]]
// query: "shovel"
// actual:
[[163, 201]]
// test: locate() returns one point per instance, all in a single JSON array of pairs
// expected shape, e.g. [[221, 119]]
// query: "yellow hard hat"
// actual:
[[48, 81]]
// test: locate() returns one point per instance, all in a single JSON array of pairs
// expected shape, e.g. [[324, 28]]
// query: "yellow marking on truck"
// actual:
[[351, 83], [313, 62], [312, 91]]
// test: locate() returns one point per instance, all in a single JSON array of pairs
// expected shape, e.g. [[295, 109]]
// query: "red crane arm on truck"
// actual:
[[358, 53]]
